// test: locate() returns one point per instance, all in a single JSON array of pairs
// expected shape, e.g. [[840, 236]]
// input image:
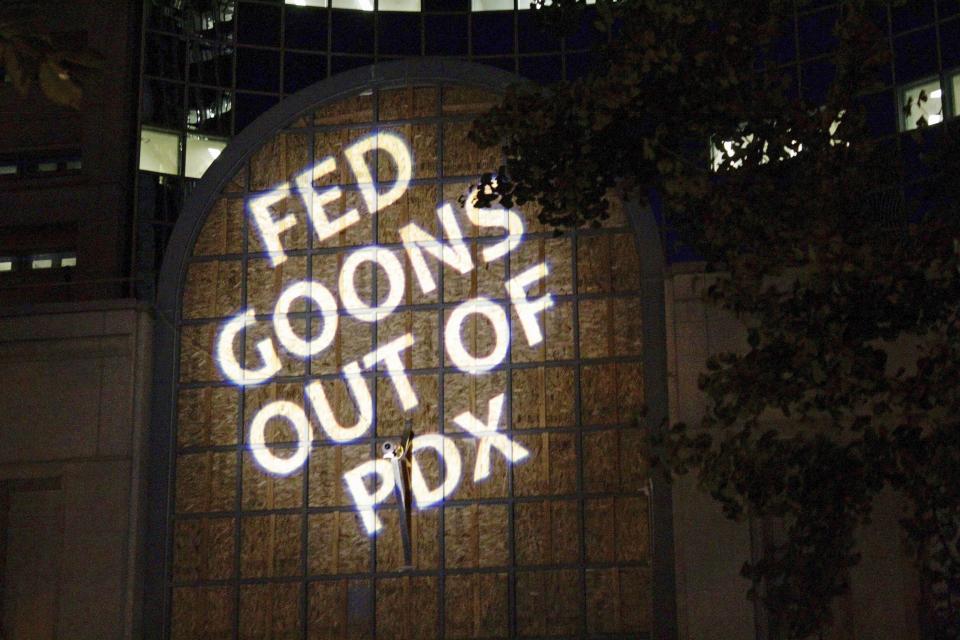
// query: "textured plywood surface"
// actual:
[[557, 545]]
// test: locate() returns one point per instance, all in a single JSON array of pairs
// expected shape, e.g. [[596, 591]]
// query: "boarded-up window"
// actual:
[[556, 545]]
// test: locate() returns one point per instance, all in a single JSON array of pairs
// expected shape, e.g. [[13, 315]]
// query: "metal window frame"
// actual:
[[160, 516]]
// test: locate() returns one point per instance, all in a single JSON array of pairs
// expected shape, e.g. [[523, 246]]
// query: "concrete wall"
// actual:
[[710, 550], [72, 430]]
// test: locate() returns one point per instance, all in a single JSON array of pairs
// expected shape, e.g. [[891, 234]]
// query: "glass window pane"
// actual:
[[6, 264], [41, 263], [363, 5], [68, 261], [921, 104], [209, 111], [495, 5], [353, 30], [306, 28], [307, 3], [446, 34], [399, 34], [527, 4], [201, 152], [8, 169], [210, 64], [302, 69], [258, 69], [162, 103], [159, 151], [258, 24], [956, 94], [399, 5]]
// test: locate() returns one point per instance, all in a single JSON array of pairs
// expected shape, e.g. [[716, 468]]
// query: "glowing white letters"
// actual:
[[363, 499], [389, 355], [527, 310], [361, 396], [490, 437], [373, 482], [397, 149], [348, 292], [269, 228], [447, 452], [506, 219], [316, 201], [258, 445], [228, 361], [328, 306], [454, 340], [455, 254]]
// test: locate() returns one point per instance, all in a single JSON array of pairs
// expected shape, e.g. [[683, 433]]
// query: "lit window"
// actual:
[[307, 3], [728, 147], [68, 261], [37, 262], [8, 169], [74, 165], [491, 5], [399, 5], [6, 264], [219, 108], [528, 4], [956, 94], [362, 5], [201, 152], [46, 167], [159, 151], [921, 104]]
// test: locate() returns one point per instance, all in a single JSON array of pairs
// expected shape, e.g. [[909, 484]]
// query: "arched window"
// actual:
[[329, 290]]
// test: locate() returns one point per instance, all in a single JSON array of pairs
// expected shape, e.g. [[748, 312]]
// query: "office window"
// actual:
[[500, 5], [201, 152], [8, 169], [41, 262], [6, 264], [955, 86], [921, 104], [159, 151], [46, 167], [362, 5], [491, 5], [399, 5], [307, 3], [38, 261]]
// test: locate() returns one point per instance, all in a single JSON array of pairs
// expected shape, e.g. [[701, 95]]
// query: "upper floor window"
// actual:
[[47, 164], [160, 152], [38, 261], [414, 5], [922, 104]]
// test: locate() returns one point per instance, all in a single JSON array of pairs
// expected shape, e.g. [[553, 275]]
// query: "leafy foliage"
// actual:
[[849, 291], [32, 57]]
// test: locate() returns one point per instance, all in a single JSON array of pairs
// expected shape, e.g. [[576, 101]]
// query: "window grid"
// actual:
[[245, 514], [246, 102]]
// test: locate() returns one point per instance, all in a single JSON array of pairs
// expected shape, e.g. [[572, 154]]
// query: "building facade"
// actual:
[[189, 450]]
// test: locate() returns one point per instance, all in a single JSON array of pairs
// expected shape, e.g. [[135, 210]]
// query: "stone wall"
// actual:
[[710, 550], [72, 429]]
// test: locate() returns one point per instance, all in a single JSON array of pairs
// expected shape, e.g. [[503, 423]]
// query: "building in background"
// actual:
[[116, 524]]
